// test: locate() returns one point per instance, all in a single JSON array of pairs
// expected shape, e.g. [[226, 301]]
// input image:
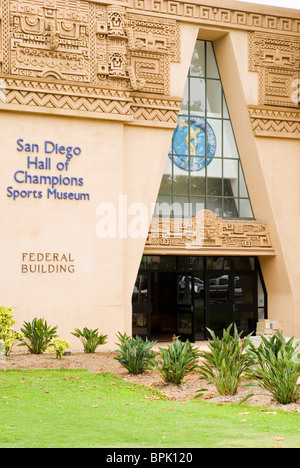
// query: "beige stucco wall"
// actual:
[[119, 164]]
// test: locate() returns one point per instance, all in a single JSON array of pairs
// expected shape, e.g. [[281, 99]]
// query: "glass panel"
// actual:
[[197, 204], [244, 318], [243, 192], [185, 323], [197, 67], [225, 109], [184, 290], [218, 321], [214, 178], [227, 188], [214, 187], [204, 160], [159, 262], [197, 96], [139, 323], [229, 144], [166, 183], [245, 209], [181, 178], [261, 314], [214, 98], [140, 292], [198, 266], [215, 205], [199, 323], [181, 181], [230, 185], [180, 206], [185, 101], [260, 293], [198, 182], [219, 289], [219, 263], [214, 137], [212, 69], [244, 289], [163, 206], [230, 171], [230, 208]]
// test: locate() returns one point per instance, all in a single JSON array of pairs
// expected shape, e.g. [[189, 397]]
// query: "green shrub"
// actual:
[[277, 367], [225, 363], [37, 336], [135, 354], [59, 346], [7, 335], [177, 360], [90, 339]]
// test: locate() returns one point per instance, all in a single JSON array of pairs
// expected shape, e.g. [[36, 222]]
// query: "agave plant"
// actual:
[[226, 362], [177, 360], [277, 367], [90, 339], [135, 354], [37, 335]]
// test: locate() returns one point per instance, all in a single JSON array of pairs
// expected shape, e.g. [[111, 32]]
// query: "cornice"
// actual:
[[233, 15]]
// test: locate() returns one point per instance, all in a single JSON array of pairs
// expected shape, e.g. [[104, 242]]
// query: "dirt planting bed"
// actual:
[[104, 361]]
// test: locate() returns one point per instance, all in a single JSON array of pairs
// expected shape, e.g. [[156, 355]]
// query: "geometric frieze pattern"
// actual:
[[276, 59], [205, 231], [275, 121], [113, 58], [233, 17], [85, 56]]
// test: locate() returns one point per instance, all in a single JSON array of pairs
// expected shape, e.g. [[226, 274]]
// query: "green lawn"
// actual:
[[78, 408]]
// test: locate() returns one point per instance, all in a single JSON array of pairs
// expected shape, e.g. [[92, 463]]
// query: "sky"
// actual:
[[280, 3]]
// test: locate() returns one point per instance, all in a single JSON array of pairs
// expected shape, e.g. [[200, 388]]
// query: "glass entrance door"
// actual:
[[141, 306], [218, 300], [185, 318], [184, 296], [245, 312], [231, 297]]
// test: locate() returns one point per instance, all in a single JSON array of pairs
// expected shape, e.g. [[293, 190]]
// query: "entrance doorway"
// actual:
[[184, 296]]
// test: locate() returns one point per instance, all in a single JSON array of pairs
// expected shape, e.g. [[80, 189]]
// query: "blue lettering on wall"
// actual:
[[35, 163]]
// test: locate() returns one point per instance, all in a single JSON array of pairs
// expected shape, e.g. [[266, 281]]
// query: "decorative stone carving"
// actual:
[[278, 122], [276, 58], [207, 14], [87, 48], [207, 231]]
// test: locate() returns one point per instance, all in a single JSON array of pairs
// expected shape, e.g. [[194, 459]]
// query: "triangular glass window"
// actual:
[[203, 169]]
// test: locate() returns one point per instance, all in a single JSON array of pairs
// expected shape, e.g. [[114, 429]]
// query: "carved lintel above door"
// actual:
[[207, 234]]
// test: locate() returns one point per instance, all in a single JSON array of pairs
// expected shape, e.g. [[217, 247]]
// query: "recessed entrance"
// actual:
[[184, 296]]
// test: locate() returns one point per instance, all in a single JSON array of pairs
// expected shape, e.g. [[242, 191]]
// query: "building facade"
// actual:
[[149, 162]]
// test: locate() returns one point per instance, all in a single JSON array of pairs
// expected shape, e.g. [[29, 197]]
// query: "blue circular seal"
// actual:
[[193, 137]]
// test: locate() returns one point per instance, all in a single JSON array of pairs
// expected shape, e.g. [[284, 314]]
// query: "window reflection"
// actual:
[[203, 159]]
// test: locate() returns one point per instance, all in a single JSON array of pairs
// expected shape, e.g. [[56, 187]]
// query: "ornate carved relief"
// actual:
[[206, 231], [199, 12], [276, 122], [276, 58], [67, 54]]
